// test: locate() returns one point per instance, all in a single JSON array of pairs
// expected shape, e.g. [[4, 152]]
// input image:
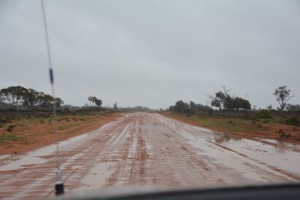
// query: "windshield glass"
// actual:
[[159, 94]]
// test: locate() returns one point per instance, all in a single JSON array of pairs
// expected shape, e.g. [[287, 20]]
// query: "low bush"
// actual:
[[3, 120], [292, 121], [264, 114], [283, 134], [10, 128], [8, 137]]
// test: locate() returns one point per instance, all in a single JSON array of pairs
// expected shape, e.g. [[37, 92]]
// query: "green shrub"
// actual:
[[11, 127], [292, 121], [283, 134], [8, 137], [264, 114], [4, 120]]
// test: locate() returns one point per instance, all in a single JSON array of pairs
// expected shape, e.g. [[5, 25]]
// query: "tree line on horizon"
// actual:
[[18, 97], [30, 99], [224, 101]]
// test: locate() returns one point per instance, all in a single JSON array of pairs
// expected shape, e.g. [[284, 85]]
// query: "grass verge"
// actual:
[[10, 137], [243, 128], [24, 134]]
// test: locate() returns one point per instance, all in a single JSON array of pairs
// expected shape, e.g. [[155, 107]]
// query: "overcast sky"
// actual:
[[153, 53]]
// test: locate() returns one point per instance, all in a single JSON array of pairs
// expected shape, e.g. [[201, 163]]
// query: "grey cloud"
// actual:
[[153, 53]]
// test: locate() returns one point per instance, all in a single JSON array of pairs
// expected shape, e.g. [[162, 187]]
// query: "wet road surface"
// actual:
[[148, 149]]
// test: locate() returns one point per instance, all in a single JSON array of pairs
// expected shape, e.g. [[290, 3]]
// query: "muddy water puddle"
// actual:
[[246, 155], [280, 155]]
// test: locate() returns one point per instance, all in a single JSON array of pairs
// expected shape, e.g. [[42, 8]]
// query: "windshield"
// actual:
[[158, 94]]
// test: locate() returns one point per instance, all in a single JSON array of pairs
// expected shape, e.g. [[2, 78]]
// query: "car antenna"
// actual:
[[59, 184]]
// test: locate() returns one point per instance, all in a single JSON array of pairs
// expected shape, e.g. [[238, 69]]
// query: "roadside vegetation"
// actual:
[[22, 131], [27, 122], [233, 115]]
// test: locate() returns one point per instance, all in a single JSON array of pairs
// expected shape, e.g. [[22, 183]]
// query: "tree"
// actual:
[[13, 95], [203, 109], [31, 98], [46, 101], [282, 97], [216, 103], [219, 100], [270, 107], [98, 102], [28, 98], [94, 100], [116, 106], [229, 102], [240, 103], [193, 107], [58, 102], [224, 101], [90, 98], [293, 108], [181, 107]]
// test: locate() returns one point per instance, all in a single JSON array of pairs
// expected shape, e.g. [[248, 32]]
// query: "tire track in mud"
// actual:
[[192, 169], [123, 169], [139, 163]]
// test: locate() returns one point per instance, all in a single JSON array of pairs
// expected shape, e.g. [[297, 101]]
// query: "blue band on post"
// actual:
[[51, 76]]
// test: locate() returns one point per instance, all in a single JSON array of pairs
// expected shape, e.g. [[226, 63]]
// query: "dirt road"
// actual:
[[148, 149]]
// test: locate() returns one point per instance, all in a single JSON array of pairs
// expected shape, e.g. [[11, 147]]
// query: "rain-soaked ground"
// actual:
[[148, 149]]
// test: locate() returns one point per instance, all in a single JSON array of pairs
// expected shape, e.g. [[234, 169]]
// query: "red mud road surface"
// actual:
[[148, 149]]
